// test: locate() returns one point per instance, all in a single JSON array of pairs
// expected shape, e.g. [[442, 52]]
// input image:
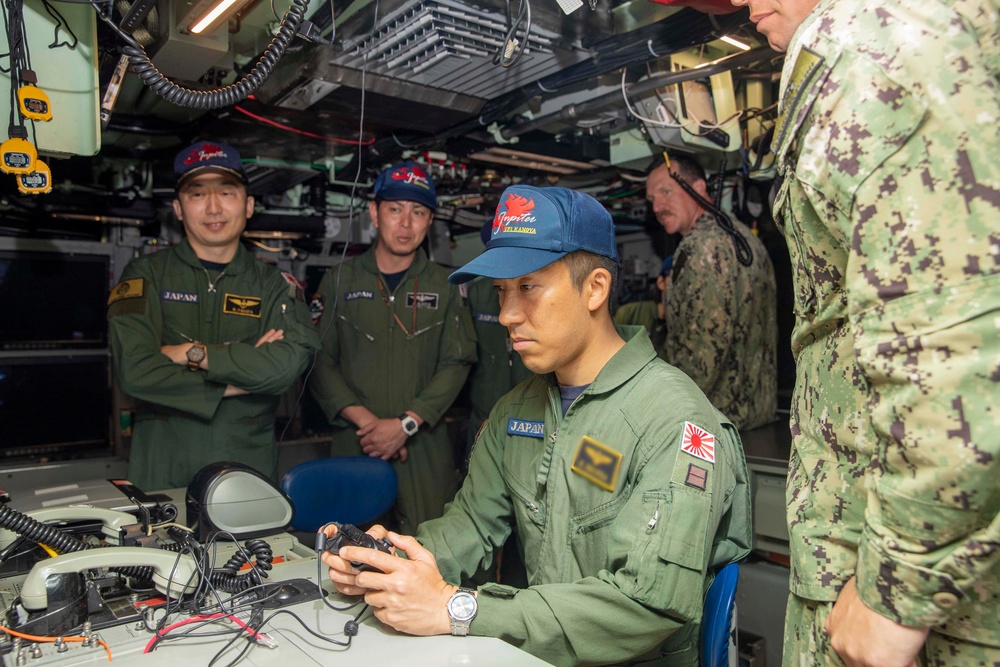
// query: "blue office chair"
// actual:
[[718, 622], [348, 489]]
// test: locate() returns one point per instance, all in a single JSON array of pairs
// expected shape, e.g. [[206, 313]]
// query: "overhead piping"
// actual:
[[574, 111]]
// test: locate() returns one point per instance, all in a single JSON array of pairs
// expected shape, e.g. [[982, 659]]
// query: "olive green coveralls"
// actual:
[[182, 422], [417, 362], [620, 527]]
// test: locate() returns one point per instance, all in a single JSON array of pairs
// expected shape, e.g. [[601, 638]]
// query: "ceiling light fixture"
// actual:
[[735, 42], [208, 15]]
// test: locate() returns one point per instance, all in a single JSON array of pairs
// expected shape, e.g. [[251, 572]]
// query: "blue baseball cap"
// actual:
[[208, 156], [667, 264], [406, 181], [534, 227]]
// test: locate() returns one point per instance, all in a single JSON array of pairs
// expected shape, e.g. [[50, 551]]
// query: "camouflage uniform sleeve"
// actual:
[[917, 200], [700, 314]]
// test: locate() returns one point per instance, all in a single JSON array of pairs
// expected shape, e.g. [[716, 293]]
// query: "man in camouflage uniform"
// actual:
[[890, 200], [721, 325]]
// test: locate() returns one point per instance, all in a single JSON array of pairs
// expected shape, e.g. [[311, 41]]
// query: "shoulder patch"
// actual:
[[596, 462], [296, 288], [127, 289], [698, 442]]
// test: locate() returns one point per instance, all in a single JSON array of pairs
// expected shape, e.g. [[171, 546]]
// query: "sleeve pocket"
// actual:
[[672, 563]]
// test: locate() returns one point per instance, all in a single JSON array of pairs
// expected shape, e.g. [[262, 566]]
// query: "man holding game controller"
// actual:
[[624, 503]]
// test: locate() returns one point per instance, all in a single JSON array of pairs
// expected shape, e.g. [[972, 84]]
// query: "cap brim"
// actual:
[[505, 262], [208, 170]]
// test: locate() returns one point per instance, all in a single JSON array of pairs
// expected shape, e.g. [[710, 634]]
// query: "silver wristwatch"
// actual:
[[462, 608], [410, 425]]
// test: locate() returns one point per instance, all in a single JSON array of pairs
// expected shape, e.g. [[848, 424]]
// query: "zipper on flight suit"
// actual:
[[652, 522]]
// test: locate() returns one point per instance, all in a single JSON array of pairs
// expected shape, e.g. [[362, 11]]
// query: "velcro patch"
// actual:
[[245, 306], [126, 289], [597, 462], [422, 300], [359, 294], [296, 288], [696, 476], [698, 442], [183, 297], [532, 429], [487, 317]]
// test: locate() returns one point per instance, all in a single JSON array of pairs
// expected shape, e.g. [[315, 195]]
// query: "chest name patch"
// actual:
[[526, 427], [422, 300], [488, 317], [596, 462], [245, 306], [127, 289], [698, 442], [359, 294], [183, 297]]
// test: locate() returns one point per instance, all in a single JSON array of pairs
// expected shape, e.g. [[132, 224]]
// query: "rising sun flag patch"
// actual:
[[698, 442]]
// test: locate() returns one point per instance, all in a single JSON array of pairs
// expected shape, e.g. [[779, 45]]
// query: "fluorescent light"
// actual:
[[735, 42], [534, 161], [214, 13]]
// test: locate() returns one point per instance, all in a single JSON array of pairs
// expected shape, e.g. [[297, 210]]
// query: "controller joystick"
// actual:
[[351, 536]]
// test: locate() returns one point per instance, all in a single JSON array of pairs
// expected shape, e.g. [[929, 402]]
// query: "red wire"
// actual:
[[268, 121], [195, 619]]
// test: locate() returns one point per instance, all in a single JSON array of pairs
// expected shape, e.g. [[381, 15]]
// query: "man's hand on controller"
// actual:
[[411, 596]]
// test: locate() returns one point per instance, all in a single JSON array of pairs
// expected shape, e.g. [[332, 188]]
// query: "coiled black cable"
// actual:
[[228, 579], [220, 97], [58, 540]]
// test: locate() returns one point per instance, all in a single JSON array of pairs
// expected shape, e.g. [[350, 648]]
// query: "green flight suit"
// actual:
[[368, 359], [182, 422], [890, 201], [721, 322], [641, 313], [498, 368], [619, 526]]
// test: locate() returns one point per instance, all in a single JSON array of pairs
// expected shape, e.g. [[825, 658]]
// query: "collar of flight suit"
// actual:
[[242, 260], [369, 264], [628, 361]]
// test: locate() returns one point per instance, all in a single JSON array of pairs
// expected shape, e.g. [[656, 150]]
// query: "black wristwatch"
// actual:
[[410, 425], [195, 354]]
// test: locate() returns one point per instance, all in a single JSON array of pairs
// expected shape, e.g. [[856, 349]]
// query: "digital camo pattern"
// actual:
[[891, 204], [721, 322], [807, 643]]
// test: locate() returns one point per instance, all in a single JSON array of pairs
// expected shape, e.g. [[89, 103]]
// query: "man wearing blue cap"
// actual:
[[397, 343], [626, 487], [204, 337]]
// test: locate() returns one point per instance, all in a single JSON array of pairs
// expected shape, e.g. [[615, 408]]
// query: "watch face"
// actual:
[[196, 353], [410, 425], [462, 606]]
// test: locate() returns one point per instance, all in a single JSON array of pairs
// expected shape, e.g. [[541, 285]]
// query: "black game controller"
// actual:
[[350, 536]]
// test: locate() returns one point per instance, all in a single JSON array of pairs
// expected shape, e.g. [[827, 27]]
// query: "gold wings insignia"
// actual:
[[243, 303]]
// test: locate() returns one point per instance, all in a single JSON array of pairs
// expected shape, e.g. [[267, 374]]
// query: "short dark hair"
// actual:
[[684, 165], [582, 263]]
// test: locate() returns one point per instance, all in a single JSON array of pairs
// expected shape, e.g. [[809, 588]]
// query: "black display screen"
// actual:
[[54, 405], [51, 301]]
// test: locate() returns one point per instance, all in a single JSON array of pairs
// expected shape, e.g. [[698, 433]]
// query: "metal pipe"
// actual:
[[574, 111]]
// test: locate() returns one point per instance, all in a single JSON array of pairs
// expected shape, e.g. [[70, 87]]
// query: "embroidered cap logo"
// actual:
[[411, 175], [207, 152], [517, 209]]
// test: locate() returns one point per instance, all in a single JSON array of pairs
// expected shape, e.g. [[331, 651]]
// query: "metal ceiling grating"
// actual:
[[447, 45]]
